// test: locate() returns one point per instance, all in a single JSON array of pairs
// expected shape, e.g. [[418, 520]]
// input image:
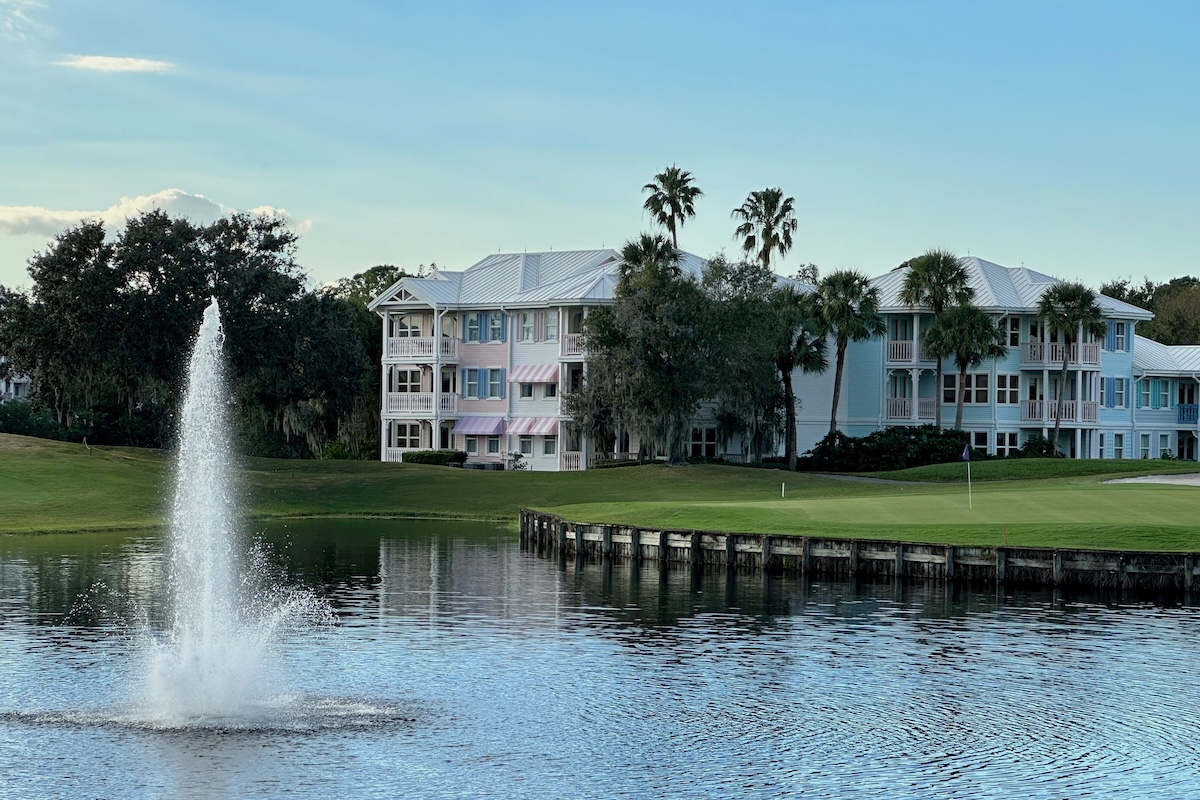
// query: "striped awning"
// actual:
[[478, 426], [534, 373], [533, 426]]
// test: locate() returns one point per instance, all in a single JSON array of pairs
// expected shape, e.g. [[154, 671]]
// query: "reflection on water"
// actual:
[[463, 667]]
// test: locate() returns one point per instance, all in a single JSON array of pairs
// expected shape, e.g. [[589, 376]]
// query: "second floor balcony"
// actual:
[[419, 404], [572, 344], [1051, 353], [906, 351], [1187, 413], [1074, 411], [901, 408], [420, 349]]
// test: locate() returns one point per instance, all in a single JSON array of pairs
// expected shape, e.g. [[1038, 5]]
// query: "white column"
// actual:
[[915, 377]]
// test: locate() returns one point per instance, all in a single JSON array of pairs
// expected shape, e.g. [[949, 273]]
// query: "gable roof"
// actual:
[[1151, 357], [1000, 289]]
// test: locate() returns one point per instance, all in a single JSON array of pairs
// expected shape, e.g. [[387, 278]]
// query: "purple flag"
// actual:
[[966, 452]]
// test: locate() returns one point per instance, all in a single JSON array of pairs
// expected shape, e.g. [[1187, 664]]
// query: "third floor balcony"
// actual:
[[1051, 353], [421, 349]]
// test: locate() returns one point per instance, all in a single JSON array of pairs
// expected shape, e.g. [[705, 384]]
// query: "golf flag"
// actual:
[[966, 452], [967, 458]]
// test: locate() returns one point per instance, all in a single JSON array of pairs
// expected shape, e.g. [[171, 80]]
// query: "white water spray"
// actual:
[[209, 666]]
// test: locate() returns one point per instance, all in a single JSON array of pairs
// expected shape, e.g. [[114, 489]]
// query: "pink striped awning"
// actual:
[[533, 426], [478, 426], [534, 373]]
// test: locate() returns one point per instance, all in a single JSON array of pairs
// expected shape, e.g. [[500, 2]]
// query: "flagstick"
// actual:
[[970, 504]]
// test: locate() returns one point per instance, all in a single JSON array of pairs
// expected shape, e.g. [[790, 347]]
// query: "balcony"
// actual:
[[900, 351], [572, 344], [573, 461], [1188, 413], [1074, 411], [901, 408], [419, 404], [1051, 353], [420, 349]]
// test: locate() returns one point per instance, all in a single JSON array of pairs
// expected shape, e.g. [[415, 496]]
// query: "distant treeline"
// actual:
[[105, 330], [1176, 307]]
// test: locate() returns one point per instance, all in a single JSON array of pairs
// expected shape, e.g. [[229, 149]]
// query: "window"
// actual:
[[1118, 445], [1144, 446], [703, 443], [1119, 392], [484, 326], [1007, 389], [1164, 394], [472, 386], [495, 327], [408, 434], [1143, 394], [1119, 336], [976, 385], [979, 440], [480, 383], [552, 324], [1012, 330], [472, 446], [495, 383], [405, 327], [525, 445], [1164, 443], [1104, 391], [550, 446], [526, 334], [493, 445], [1035, 330], [473, 328], [1102, 453], [407, 380], [526, 391], [551, 390]]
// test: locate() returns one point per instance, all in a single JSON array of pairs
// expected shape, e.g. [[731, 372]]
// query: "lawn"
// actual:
[[58, 487]]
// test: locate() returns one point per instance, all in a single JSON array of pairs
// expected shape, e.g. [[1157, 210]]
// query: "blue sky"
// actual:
[[1058, 135]]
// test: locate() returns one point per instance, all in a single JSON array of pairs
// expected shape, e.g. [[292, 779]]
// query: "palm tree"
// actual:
[[936, 279], [672, 199], [848, 308], [650, 256], [799, 343], [1071, 310], [970, 336], [768, 222]]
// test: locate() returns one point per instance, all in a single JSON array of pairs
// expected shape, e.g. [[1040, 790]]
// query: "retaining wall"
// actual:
[[552, 535]]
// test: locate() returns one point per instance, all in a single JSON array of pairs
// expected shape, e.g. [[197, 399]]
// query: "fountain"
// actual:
[[210, 664]]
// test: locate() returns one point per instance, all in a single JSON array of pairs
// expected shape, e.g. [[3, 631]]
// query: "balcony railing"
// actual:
[[901, 407], [572, 462], [1072, 411], [1052, 353], [902, 350], [1189, 413], [572, 344], [420, 403], [394, 455], [420, 348]]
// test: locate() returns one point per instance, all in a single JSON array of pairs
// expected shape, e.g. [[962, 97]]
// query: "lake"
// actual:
[[460, 666]]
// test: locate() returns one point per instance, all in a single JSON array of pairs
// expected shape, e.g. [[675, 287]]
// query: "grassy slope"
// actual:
[[52, 486]]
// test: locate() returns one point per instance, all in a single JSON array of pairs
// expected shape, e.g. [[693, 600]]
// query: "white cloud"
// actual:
[[16, 20], [176, 202], [114, 63]]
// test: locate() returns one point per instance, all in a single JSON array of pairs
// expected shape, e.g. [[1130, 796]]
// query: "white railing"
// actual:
[[1053, 352], [900, 350], [419, 403], [572, 344], [393, 455], [1072, 411], [926, 407], [421, 347], [572, 462], [899, 408]]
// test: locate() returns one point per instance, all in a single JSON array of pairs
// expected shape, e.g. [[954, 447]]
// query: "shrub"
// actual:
[[1038, 446], [443, 458], [21, 418], [609, 463], [897, 447]]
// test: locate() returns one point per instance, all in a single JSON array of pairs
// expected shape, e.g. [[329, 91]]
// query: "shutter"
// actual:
[[482, 321], [502, 384], [1110, 341], [1110, 392], [481, 383], [539, 326], [503, 327], [1128, 386], [1154, 389], [462, 383]]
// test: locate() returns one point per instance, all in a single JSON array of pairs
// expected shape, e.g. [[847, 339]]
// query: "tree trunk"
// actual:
[[962, 396], [1062, 387], [837, 384], [790, 417]]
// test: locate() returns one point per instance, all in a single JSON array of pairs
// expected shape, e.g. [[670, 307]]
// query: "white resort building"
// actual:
[[478, 361]]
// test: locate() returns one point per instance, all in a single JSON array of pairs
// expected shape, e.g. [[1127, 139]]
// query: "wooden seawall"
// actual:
[[552, 535]]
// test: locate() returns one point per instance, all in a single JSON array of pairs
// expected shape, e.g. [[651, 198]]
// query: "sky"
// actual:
[[1060, 135]]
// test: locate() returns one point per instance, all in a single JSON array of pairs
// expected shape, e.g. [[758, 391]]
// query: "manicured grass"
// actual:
[[57, 487], [1009, 469]]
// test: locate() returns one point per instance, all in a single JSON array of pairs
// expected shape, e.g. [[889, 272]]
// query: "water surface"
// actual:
[[462, 667]]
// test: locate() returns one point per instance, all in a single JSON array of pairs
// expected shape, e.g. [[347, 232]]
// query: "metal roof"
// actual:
[[1154, 358], [1000, 289]]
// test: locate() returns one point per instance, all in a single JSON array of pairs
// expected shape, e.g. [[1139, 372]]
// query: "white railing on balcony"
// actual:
[[420, 403], [926, 407], [393, 455], [1072, 411], [419, 348], [1053, 352], [572, 344], [899, 408], [572, 462], [900, 350]]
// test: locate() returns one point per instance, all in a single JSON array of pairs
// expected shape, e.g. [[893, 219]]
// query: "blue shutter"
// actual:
[[503, 329], [464, 322], [1110, 391], [481, 383], [462, 383], [1128, 384], [1154, 389], [502, 384], [1110, 341]]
